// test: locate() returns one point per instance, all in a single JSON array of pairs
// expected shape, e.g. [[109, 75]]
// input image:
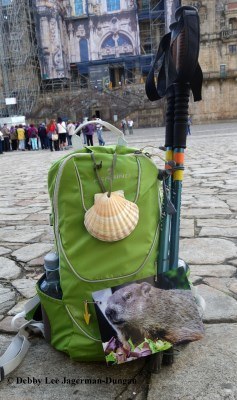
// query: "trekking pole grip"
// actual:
[[182, 92], [169, 125]]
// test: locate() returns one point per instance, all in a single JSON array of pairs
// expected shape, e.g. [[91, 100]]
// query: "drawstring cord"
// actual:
[[97, 167]]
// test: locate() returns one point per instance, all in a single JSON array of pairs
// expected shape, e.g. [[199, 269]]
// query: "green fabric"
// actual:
[[86, 263]]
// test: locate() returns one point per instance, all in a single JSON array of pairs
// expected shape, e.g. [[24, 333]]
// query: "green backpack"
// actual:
[[88, 264]]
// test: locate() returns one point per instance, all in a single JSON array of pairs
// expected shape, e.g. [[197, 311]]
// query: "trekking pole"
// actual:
[[178, 71], [184, 51], [167, 209], [180, 128]]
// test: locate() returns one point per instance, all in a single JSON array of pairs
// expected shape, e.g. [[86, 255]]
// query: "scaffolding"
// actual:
[[19, 67], [151, 17]]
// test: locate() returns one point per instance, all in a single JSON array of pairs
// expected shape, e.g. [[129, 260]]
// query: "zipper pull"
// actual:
[[87, 316], [86, 313]]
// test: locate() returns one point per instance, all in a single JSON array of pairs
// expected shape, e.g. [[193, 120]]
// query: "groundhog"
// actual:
[[140, 311]]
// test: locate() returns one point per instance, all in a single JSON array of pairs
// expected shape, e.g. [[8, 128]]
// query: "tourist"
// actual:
[[21, 137], [6, 137]]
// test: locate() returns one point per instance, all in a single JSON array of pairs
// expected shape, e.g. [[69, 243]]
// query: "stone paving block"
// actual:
[[36, 262], [217, 271], [208, 202], [7, 299], [13, 217], [32, 251], [205, 212], [218, 232], [9, 269], [17, 308], [217, 222], [219, 306], [20, 210], [4, 250], [26, 287], [16, 236], [207, 250], [6, 326], [40, 218], [220, 284]]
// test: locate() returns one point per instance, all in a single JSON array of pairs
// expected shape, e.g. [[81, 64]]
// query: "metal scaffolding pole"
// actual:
[[19, 66]]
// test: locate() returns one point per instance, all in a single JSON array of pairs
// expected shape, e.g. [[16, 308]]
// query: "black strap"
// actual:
[[177, 58], [97, 167]]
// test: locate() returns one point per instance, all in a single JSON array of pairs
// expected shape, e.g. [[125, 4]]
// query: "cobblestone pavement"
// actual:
[[203, 370]]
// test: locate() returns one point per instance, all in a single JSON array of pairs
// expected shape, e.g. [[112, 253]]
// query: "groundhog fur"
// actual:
[[140, 311]]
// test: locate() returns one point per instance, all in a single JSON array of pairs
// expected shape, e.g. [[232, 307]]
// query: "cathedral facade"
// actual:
[[86, 34]]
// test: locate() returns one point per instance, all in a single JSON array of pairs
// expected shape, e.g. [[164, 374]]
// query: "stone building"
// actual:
[[218, 59], [96, 55]]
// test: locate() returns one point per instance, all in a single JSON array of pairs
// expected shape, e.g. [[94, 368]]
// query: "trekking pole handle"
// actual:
[[182, 92]]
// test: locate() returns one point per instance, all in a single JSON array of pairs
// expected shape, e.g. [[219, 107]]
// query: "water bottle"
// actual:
[[51, 284]]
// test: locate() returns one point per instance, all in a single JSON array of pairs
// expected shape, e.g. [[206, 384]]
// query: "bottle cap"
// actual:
[[51, 261]]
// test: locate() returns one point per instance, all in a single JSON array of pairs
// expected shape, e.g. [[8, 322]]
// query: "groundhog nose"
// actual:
[[110, 313]]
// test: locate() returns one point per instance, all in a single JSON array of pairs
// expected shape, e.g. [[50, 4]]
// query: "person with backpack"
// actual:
[[33, 137]]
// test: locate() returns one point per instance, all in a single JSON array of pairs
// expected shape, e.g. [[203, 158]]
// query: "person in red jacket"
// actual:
[[51, 132]]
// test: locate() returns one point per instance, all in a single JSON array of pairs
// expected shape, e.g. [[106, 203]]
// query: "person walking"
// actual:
[[85, 119], [189, 125], [13, 137], [6, 136], [51, 132], [99, 132], [62, 133], [130, 126], [89, 131], [21, 137], [124, 125], [70, 131], [33, 137]]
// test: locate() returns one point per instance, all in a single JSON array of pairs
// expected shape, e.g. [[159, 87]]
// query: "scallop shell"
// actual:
[[112, 217]]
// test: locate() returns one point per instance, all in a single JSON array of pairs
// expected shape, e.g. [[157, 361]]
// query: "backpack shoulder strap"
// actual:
[[20, 344]]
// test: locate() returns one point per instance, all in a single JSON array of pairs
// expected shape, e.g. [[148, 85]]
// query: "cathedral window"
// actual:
[[232, 48], [113, 5], [78, 7]]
